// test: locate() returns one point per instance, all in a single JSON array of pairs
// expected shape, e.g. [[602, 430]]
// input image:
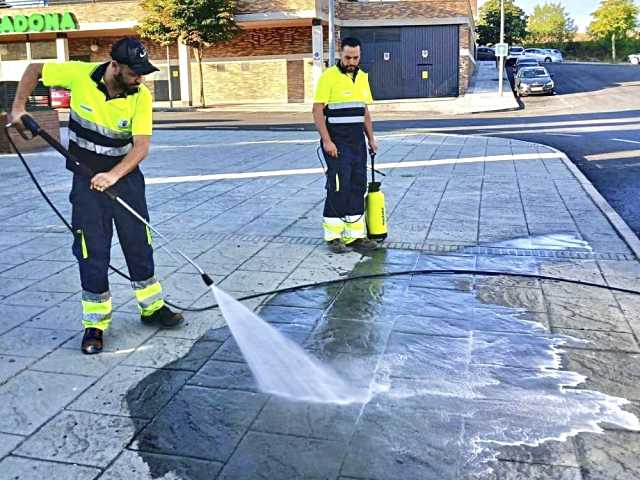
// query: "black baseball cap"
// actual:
[[131, 52]]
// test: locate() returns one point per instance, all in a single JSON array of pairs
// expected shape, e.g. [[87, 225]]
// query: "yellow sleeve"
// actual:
[[62, 74], [368, 95], [142, 121], [323, 92]]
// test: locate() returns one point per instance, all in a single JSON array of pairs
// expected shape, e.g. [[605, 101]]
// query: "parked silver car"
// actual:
[[532, 81], [545, 55], [634, 58]]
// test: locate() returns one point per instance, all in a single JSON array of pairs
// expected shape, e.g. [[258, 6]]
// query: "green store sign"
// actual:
[[38, 22]]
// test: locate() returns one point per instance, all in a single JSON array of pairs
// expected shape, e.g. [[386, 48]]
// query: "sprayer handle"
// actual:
[[30, 124]]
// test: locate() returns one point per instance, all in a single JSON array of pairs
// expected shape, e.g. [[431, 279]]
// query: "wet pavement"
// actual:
[[471, 376]]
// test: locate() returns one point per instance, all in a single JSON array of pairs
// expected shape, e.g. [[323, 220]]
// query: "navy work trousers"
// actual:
[[346, 178], [93, 216]]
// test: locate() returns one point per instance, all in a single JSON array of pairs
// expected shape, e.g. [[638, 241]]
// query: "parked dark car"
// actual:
[[525, 62], [60, 97], [532, 81], [486, 53]]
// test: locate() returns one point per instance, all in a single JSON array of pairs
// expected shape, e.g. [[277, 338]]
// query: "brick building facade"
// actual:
[[278, 56]]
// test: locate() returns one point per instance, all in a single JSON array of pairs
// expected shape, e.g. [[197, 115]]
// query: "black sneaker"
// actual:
[[364, 245], [163, 317], [92, 341], [337, 246]]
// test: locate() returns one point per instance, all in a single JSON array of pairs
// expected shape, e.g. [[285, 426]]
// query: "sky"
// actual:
[[579, 10]]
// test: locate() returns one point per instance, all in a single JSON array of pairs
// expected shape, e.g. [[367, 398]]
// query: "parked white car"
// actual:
[[515, 53], [635, 58], [544, 54]]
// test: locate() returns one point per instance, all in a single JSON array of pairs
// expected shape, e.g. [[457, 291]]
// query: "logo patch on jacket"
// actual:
[[123, 123]]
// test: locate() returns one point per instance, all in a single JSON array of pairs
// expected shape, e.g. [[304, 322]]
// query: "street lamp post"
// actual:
[[332, 33], [501, 72]]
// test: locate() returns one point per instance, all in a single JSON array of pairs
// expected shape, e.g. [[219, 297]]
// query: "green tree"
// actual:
[[159, 26], [196, 23], [488, 27], [550, 23], [614, 20]]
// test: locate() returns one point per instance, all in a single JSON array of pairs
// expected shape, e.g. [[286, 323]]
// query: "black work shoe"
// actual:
[[92, 341], [163, 317], [364, 245], [337, 246]]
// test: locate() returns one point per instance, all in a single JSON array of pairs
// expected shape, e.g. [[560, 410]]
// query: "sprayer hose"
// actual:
[[490, 273]]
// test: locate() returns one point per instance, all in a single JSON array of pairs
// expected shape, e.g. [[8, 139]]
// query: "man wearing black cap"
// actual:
[[110, 127]]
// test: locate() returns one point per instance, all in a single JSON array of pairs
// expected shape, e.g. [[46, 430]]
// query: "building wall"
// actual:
[[265, 41], [47, 119], [262, 6], [236, 82], [91, 12], [295, 81], [466, 67], [405, 9]]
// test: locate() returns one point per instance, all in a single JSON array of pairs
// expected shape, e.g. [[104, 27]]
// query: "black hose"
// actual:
[[489, 273]]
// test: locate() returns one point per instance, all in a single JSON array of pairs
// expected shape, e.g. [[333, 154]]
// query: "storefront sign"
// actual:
[[38, 22]]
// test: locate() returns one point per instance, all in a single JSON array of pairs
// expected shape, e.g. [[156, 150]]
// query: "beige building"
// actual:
[[279, 54]]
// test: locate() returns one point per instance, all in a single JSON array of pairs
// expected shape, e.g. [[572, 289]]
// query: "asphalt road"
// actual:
[[594, 118]]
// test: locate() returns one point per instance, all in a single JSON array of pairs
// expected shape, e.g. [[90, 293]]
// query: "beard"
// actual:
[[122, 84]]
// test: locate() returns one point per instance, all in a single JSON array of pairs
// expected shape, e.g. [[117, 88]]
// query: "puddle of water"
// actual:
[[554, 241], [279, 366]]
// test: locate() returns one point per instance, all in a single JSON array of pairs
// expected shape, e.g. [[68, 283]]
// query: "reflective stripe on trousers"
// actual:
[[96, 310], [149, 296]]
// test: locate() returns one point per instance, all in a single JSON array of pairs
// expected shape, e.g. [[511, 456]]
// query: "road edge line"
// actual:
[[616, 221]]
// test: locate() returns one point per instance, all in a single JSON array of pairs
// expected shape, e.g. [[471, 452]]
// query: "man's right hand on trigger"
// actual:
[[330, 148], [14, 119]]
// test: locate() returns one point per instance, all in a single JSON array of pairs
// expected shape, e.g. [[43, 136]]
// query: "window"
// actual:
[[13, 51], [43, 50]]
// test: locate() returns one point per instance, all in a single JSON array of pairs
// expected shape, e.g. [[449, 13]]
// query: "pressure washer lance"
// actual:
[[112, 193]]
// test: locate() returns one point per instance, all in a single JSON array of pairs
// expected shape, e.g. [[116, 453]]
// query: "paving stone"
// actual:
[[8, 443], [10, 365], [17, 468], [244, 281], [227, 375], [65, 360], [201, 423], [65, 315], [32, 398], [528, 298], [172, 353], [597, 340], [608, 372], [548, 453], [13, 316], [304, 419], [131, 391], [29, 298], [9, 287], [270, 264], [280, 314], [580, 314], [346, 336], [36, 270], [150, 466], [612, 455], [79, 437], [404, 443], [262, 455], [512, 350], [32, 342]]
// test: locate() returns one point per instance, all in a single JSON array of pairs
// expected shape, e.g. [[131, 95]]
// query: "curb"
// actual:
[[619, 225]]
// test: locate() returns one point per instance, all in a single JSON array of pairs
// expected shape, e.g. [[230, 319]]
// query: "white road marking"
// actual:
[[307, 171], [613, 155], [563, 134], [625, 141]]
